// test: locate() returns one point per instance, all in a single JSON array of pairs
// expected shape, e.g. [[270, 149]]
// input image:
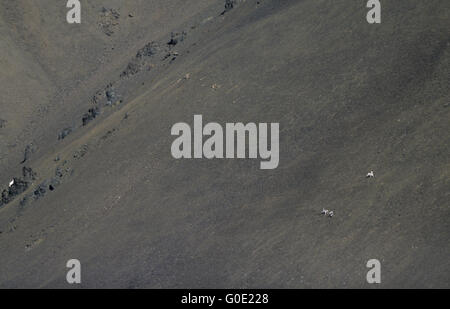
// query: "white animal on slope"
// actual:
[[11, 183], [370, 174], [327, 212]]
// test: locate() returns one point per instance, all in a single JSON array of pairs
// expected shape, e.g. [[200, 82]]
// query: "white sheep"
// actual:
[[11, 183], [370, 175], [327, 212]]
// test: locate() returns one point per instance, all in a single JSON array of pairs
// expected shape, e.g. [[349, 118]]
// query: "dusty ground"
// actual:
[[89, 109]]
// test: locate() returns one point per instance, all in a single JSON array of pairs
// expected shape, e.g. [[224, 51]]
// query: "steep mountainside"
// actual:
[[87, 113]]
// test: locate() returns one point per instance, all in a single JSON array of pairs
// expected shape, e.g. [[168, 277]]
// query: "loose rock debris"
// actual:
[[28, 174], [108, 134], [41, 190], [29, 149], [109, 19], [64, 133], [62, 171], [48, 185], [229, 5], [106, 97], [176, 37], [90, 115], [132, 68], [81, 152], [139, 61], [150, 49], [111, 97], [173, 54], [17, 186]]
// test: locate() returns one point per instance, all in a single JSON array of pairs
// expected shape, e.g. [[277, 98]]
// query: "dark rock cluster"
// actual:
[[19, 186], [90, 115], [64, 133], [229, 5], [176, 37], [139, 61]]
